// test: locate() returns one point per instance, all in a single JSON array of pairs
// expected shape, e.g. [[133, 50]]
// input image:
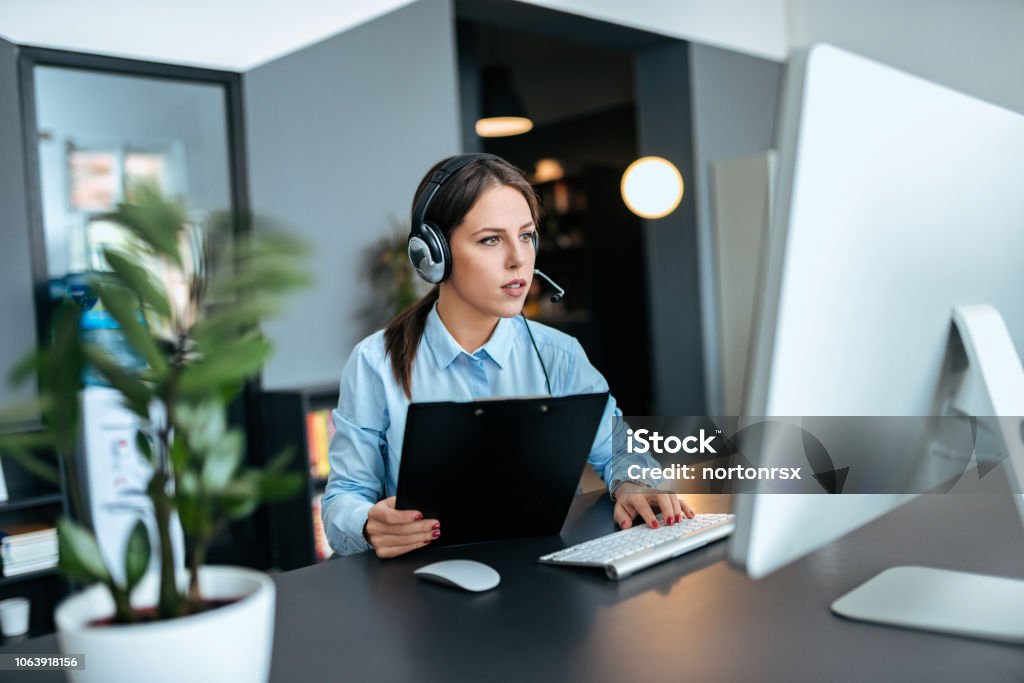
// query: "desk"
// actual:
[[693, 618]]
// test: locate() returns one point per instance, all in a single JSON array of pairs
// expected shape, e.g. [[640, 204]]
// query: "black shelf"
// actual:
[[28, 576], [32, 501], [292, 543]]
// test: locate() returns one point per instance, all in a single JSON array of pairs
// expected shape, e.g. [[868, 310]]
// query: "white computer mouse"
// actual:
[[465, 574]]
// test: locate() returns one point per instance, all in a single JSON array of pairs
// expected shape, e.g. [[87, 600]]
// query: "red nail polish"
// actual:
[[427, 541], [654, 524], [436, 526], [435, 533], [418, 517]]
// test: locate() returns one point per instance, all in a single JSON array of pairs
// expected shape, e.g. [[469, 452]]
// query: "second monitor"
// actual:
[[892, 281]]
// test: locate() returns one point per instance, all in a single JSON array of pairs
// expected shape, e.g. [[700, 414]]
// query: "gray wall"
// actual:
[[735, 101], [974, 47], [663, 125], [17, 306], [338, 136]]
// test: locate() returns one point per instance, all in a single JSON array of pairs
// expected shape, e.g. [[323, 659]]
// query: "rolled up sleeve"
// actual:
[[611, 464], [357, 454]]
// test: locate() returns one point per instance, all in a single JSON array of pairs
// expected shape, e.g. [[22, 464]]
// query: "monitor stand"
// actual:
[[991, 382]]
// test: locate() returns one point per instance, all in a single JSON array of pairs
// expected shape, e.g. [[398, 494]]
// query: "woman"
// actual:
[[475, 221]]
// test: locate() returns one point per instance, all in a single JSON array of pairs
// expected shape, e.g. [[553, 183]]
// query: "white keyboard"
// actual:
[[628, 551]]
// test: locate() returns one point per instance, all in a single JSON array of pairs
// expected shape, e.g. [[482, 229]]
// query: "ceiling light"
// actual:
[[502, 112]]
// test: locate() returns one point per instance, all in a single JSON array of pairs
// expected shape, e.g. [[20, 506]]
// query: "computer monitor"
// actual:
[[892, 285]]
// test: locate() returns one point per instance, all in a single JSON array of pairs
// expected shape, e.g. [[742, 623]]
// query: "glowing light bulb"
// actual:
[[652, 187]]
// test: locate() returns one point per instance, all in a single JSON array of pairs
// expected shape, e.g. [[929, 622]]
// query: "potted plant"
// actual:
[[394, 286], [188, 302]]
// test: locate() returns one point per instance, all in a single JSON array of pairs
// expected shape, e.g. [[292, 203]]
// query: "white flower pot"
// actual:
[[229, 643]]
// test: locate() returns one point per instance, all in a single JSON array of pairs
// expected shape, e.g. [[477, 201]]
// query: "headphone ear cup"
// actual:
[[428, 253], [446, 252]]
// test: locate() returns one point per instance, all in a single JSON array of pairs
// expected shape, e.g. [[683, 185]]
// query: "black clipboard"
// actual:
[[498, 468]]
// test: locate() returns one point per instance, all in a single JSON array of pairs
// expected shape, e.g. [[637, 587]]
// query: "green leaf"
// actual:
[[239, 508], [22, 412], [193, 509], [80, 556], [223, 460], [27, 367], [139, 281], [179, 454], [122, 305], [225, 365], [136, 555], [281, 461], [204, 424], [273, 278], [154, 221], [241, 495], [60, 376], [144, 446], [187, 484], [188, 514], [273, 243], [136, 393], [26, 440], [275, 487], [231, 321]]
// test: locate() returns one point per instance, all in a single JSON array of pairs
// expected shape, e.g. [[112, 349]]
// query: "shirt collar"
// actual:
[[445, 349]]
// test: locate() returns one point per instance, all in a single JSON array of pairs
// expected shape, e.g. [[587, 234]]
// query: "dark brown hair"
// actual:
[[447, 210]]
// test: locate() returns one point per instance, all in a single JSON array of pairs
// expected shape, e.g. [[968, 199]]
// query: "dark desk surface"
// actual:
[[693, 618]]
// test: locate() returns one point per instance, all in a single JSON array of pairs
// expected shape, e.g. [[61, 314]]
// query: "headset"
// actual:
[[427, 247]]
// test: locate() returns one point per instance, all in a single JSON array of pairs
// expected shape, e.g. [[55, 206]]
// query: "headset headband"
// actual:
[[437, 179]]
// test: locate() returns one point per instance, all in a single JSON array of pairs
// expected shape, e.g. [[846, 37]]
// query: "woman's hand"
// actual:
[[632, 500], [394, 532]]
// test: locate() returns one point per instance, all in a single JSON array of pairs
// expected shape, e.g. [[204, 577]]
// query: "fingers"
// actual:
[[668, 505], [672, 507], [623, 516], [665, 507], [425, 526], [643, 508], [386, 552], [387, 540], [388, 544], [385, 512], [394, 532]]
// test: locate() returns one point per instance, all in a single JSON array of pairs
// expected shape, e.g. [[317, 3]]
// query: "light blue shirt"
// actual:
[[369, 421]]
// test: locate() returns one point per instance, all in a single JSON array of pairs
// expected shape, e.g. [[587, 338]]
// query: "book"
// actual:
[[3, 482], [319, 431], [18, 568], [28, 551], [25, 532]]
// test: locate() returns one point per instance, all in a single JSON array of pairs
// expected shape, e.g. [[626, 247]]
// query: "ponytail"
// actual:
[[402, 338]]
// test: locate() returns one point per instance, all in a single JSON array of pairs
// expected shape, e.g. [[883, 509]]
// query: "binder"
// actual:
[[497, 468]]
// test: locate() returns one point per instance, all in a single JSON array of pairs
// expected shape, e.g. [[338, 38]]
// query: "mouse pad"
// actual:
[[495, 469]]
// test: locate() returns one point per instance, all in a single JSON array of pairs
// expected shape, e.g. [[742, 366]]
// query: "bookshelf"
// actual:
[[299, 419], [33, 501]]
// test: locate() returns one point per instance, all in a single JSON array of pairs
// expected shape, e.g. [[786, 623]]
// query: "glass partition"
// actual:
[[102, 134]]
